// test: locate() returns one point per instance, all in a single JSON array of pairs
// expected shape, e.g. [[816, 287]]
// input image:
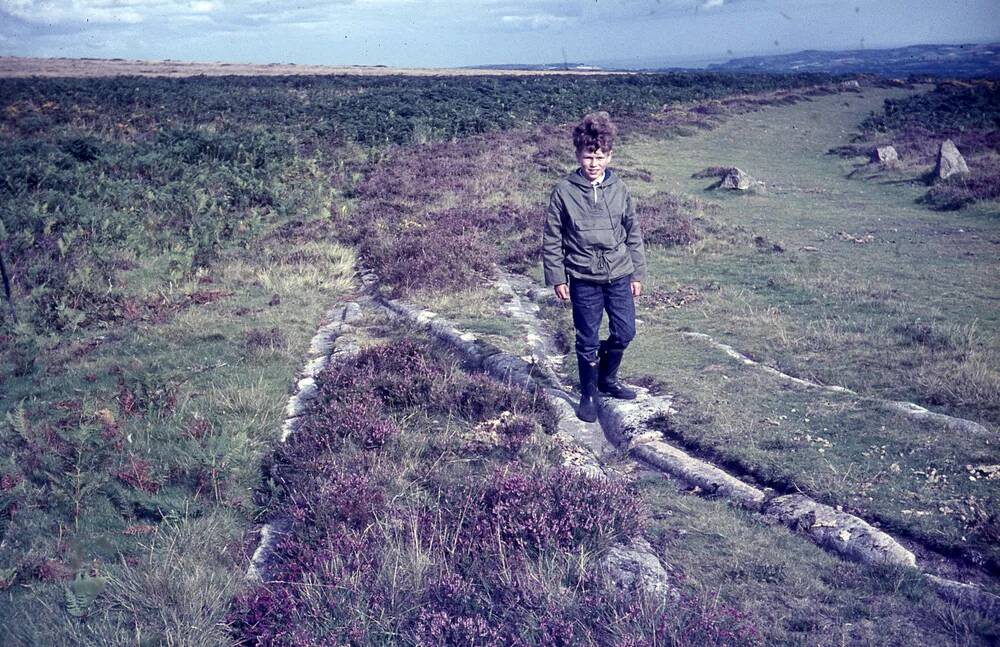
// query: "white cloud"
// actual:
[[96, 11], [201, 6], [535, 21], [413, 32]]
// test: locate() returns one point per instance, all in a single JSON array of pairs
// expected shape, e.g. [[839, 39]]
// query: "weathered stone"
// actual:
[[966, 595], [626, 420], [708, 477], [588, 435], [315, 366], [352, 312], [886, 156], [307, 389], [839, 531], [289, 427], [636, 566], [322, 342], [270, 534], [577, 457], [850, 86], [737, 180], [296, 406], [949, 161]]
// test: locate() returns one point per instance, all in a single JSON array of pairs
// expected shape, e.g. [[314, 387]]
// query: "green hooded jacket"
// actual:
[[591, 232]]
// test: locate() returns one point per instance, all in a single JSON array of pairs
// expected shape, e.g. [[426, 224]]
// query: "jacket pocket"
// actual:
[[593, 228]]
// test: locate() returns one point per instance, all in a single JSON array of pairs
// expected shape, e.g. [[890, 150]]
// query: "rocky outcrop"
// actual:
[[949, 161]]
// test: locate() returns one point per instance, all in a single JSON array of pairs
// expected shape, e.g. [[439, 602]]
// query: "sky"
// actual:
[[452, 33]]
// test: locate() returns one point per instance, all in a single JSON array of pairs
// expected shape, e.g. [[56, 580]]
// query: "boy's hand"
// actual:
[[562, 291], [636, 288]]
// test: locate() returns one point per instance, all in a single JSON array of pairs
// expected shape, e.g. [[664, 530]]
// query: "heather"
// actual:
[[171, 258], [168, 257], [966, 113], [949, 107], [406, 523], [669, 220], [442, 217]]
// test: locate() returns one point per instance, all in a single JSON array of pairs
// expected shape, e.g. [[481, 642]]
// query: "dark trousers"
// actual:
[[590, 301]]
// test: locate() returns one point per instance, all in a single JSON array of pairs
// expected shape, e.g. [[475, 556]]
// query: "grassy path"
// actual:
[[908, 314], [920, 268]]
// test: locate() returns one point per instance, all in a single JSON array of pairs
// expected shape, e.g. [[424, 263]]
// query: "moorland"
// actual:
[[172, 244]]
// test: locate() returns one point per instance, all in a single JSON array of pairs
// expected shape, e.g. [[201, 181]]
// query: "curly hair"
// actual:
[[595, 131]]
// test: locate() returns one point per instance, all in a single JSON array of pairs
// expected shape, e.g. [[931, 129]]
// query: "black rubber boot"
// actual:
[[587, 411], [607, 376]]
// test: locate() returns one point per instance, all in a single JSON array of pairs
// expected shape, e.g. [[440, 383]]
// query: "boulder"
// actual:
[[850, 86], [886, 156], [737, 180], [636, 566], [949, 161]]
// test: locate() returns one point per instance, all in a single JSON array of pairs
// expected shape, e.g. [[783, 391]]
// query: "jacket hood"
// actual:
[[577, 178]]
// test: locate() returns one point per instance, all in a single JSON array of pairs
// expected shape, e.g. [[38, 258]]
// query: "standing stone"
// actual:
[[886, 156], [949, 161]]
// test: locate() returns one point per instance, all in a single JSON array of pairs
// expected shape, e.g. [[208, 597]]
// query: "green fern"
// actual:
[[7, 577], [82, 592], [18, 421]]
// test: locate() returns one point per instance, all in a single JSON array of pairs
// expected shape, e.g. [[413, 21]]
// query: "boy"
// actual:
[[593, 255]]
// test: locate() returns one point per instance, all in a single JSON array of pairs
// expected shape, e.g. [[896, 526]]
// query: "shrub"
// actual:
[[353, 418], [399, 375], [540, 510], [265, 614], [481, 398], [668, 219], [264, 339], [442, 629], [429, 254], [982, 183]]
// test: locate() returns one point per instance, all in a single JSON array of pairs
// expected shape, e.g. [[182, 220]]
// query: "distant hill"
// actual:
[[964, 61]]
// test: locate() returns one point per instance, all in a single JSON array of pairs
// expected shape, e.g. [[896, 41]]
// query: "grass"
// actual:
[[906, 313], [797, 593], [144, 472], [909, 477], [839, 282], [133, 441]]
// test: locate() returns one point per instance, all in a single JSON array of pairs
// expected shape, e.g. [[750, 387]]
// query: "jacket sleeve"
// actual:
[[633, 239], [553, 256]]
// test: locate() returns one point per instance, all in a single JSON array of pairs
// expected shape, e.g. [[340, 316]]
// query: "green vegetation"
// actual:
[[173, 244], [170, 249], [797, 593], [950, 106], [966, 113], [839, 282]]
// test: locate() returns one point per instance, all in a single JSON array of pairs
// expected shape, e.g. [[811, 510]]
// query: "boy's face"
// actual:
[[593, 163]]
